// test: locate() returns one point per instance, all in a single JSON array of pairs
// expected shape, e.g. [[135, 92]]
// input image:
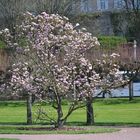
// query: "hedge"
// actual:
[[111, 42]]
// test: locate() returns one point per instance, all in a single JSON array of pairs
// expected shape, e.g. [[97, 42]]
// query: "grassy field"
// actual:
[[107, 112]]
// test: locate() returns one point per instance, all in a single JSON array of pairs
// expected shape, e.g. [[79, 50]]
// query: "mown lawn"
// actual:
[[12, 112], [118, 112], [107, 112]]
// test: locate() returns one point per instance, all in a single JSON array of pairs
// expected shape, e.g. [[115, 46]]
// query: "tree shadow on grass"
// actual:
[[12, 123], [119, 124], [12, 104], [127, 124], [115, 101]]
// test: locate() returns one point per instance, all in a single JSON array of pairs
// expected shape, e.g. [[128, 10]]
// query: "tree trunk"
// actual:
[[103, 94], [90, 113], [29, 109], [131, 91], [59, 115]]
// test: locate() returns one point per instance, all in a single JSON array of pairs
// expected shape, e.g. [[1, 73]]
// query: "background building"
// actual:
[[101, 5]]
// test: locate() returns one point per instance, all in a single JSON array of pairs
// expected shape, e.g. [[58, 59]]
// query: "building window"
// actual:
[[84, 6], [102, 4], [118, 4]]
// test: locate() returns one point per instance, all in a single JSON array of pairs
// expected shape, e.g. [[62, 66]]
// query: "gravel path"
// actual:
[[124, 134]]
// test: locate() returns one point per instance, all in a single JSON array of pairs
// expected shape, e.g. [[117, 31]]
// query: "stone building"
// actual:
[[102, 25], [101, 5]]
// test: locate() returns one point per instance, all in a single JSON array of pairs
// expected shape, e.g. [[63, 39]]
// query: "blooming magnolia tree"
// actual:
[[50, 60]]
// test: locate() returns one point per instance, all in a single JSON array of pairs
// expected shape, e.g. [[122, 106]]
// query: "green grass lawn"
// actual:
[[107, 112], [112, 112], [12, 112]]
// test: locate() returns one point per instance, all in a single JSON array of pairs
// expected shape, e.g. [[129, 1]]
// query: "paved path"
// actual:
[[124, 134]]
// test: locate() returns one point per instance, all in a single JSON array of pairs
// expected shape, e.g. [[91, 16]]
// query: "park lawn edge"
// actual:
[[88, 130]]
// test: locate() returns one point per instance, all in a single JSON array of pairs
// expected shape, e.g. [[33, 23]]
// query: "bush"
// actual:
[[108, 42]]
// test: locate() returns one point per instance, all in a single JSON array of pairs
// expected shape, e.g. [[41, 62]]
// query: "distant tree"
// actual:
[[10, 10], [61, 7], [133, 19], [126, 21], [108, 70]]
